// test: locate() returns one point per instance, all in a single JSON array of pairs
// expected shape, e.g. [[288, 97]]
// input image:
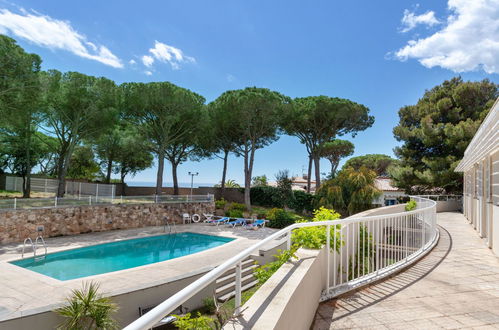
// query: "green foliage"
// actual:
[[220, 204], [315, 237], [364, 260], [236, 210], [87, 309], [350, 192], [436, 131], [284, 187], [200, 322], [319, 119], [334, 151], [76, 107], [259, 181], [229, 184], [279, 218], [411, 205], [266, 196], [378, 163], [254, 114], [302, 202], [263, 273], [83, 164]]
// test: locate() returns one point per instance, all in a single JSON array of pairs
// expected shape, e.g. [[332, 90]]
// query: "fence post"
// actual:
[[45, 188], [55, 201], [96, 191], [90, 200], [79, 191], [15, 203]]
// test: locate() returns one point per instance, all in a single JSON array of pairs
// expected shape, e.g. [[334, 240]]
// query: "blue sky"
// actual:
[[361, 50]]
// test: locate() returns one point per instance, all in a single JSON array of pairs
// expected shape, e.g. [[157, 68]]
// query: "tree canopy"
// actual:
[[334, 151], [318, 119], [378, 163], [436, 131]]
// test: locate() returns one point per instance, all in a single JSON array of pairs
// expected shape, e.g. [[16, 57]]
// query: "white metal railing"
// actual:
[[37, 203], [443, 198], [359, 251]]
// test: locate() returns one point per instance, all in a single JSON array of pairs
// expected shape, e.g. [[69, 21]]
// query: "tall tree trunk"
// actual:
[[123, 185], [224, 172], [62, 169], [317, 161], [108, 170], [159, 176], [247, 179], [27, 179], [334, 167], [309, 174], [175, 180]]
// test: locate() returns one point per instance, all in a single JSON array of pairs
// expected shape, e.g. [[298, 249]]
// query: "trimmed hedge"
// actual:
[[267, 196], [279, 218]]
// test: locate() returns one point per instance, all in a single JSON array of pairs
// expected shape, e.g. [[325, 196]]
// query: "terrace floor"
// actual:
[[455, 286]]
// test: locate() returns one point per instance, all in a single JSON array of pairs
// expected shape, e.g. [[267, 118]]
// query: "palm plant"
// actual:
[[88, 309]]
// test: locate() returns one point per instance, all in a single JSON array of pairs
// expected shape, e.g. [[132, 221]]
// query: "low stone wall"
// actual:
[[16, 225]]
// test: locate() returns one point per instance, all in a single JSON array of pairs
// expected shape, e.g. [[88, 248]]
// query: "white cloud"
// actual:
[[132, 62], [411, 20], [469, 40], [167, 54], [230, 78], [51, 33], [147, 60], [148, 73]]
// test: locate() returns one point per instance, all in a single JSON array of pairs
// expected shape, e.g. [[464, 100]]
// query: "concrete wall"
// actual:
[[16, 225], [289, 299]]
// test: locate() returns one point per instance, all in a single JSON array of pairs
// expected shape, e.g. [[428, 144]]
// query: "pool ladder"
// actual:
[[169, 226], [34, 246]]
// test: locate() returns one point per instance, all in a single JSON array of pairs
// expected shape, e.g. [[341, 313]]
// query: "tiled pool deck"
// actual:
[[455, 286], [23, 292]]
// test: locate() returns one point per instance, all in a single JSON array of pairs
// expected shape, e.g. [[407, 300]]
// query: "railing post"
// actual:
[[288, 241], [237, 302], [328, 256]]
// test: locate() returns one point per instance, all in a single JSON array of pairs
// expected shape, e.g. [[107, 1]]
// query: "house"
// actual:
[[298, 183], [480, 166], [389, 193]]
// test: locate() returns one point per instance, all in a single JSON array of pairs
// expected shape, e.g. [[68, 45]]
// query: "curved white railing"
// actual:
[[359, 251]]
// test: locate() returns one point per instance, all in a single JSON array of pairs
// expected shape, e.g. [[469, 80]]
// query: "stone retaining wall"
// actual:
[[16, 225]]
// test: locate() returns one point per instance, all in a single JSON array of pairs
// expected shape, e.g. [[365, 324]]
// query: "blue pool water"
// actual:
[[110, 257]]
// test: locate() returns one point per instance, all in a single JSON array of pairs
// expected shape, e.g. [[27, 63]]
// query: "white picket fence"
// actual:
[[73, 188]]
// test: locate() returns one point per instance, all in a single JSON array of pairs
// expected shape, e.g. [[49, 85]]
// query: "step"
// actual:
[[233, 293], [232, 277], [222, 290], [244, 264]]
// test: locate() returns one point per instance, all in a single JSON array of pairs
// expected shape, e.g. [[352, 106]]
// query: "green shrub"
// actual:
[[302, 202], [234, 214], [220, 204], [315, 237], [237, 206], [411, 205], [266, 196], [279, 218], [263, 273], [200, 322]]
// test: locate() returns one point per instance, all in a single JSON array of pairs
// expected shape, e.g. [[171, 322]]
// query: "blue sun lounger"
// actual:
[[238, 221], [219, 221], [257, 224]]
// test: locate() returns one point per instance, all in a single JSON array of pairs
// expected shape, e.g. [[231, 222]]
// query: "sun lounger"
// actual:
[[219, 221], [256, 224], [238, 221]]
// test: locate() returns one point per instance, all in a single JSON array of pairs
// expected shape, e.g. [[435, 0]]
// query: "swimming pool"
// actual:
[[110, 257]]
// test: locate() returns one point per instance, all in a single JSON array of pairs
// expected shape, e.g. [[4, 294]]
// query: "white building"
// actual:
[[389, 193], [480, 165]]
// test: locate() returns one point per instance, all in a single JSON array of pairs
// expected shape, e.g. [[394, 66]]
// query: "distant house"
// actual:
[[480, 166], [298, 183], [389, 193]]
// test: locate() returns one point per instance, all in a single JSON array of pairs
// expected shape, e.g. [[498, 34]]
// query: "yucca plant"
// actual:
[[88, 309]]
